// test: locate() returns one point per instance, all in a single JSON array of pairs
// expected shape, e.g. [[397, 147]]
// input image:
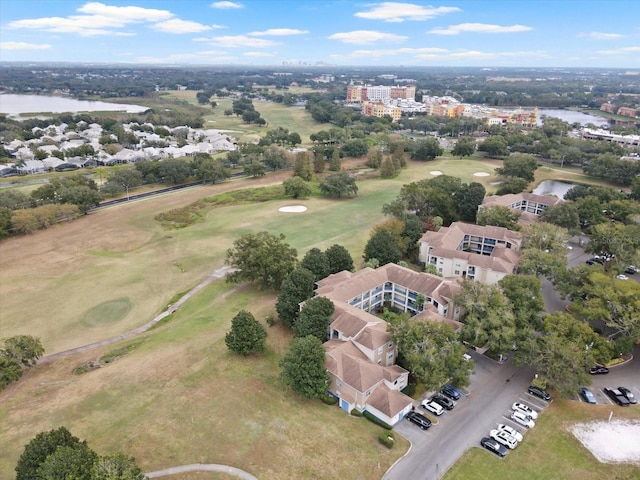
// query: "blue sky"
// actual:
[[519, 33]]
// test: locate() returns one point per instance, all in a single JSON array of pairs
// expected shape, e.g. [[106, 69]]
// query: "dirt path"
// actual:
[[215, 275], [202, 467]]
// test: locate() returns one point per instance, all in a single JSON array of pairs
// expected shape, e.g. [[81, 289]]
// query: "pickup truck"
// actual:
[[617, 396]]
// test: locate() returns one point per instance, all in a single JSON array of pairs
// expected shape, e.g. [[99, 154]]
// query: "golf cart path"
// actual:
[[202, 467], [215, 275]]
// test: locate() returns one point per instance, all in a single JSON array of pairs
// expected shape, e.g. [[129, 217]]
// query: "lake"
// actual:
[[571, 116], [18, 104], [554, 188]]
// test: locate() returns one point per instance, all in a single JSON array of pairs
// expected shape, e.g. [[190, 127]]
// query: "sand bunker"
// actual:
[[614, 442], [481, 174], [435, 173], [293, 209]]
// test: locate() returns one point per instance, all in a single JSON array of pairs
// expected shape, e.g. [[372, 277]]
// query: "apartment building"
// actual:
[[529, 205], [380, 109], [462, 250]]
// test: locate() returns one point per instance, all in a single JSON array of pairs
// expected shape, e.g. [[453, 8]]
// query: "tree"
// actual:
[[296, 187], [563, 214], [174, 170], [464, 147], [314, 318], [382, 246], [467, 200], [335, 165], [519, 165], [210, 169], [261, 256], [511, 185], [275, 158], [387, 168], [498, 216], [24, 349], [303, 167], [297, 288], [563, 353], [374, 158], [620, 244], [303, 367], [488, 318], [427, 149], [116, 467], [10, 371], [339, 259], [318, 162], [255, 169], [122, 180], [68, 462], [5, 222], [430, 350], [338, 184], [39, 448], [524, 295], [495, 146], [317, 263], [247, 335]]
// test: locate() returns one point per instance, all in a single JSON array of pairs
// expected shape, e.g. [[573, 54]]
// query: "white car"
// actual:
[[523, 419], [433, 407], [511, 431], [526, 409], [504, 438]]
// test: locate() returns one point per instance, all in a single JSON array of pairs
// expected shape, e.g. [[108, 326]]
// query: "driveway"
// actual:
[[493, 389]]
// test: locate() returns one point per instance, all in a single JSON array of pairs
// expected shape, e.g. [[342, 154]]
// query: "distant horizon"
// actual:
[[331, 33]]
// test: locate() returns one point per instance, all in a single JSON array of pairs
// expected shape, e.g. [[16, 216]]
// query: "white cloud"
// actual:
[[479, 28], [126, 14], [472, 54], [175, 25], [258, 54], [601, 35], [404, 52], [23, 46], [279, 32], [197, 57], [399, 12], [237, 41], [620, 51], [366, 37], [226, 5]]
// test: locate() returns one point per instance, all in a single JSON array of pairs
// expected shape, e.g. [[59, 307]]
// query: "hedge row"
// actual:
[[372, 418], [387, 439]]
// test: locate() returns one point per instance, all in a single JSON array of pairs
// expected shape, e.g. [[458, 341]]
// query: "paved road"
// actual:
[[202, 467], [216, 275], [493, 389]]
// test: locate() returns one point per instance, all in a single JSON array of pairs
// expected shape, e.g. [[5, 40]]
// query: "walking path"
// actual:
[[202, 467], [216, 275]]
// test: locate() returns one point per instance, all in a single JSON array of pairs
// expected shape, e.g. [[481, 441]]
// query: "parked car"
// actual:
[[493, 446], [627, 393], [450, 392], [631, 269], [504, 438], [522, 419], [617, 396], [443, 401], [622, 276], [419, 420], [538, 392], [598, 370], [587, 395], [510, 430], [433, 407], [524, 408], [593, 260]]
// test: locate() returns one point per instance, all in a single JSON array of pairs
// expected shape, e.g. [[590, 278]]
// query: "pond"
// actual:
[[571, 116], [554, 188], [18, 104]]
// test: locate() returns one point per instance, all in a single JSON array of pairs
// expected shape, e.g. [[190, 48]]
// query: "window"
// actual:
[[368, 393], [456, 272], [338, 383], [380, 351], [390, 345]]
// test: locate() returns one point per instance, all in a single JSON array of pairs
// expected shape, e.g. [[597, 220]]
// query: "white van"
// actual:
[[433, 407]]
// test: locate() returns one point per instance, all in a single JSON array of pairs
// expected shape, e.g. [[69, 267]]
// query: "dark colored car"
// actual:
[[627, 393], [450, 392], [593, 260], [587, 396], [443, 401], [493, 446], [419, 419], [598, 370], [538, 392], [617, 396], [630, 270]]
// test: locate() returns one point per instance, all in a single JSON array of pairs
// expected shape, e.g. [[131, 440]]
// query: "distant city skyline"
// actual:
[[599, 34]]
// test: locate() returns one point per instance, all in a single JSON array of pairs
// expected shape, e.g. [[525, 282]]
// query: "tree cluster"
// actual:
[[17, 354]]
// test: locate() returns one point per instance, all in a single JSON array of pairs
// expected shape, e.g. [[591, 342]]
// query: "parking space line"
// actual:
[[606, 397]]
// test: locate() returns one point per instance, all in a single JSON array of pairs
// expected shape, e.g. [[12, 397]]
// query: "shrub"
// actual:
[[387, 439], [356, 413], [409, 390], [329, 399], [372, 418]]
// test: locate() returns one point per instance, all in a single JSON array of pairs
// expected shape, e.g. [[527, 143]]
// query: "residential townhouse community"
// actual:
[[360, 354], [57, 141]]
